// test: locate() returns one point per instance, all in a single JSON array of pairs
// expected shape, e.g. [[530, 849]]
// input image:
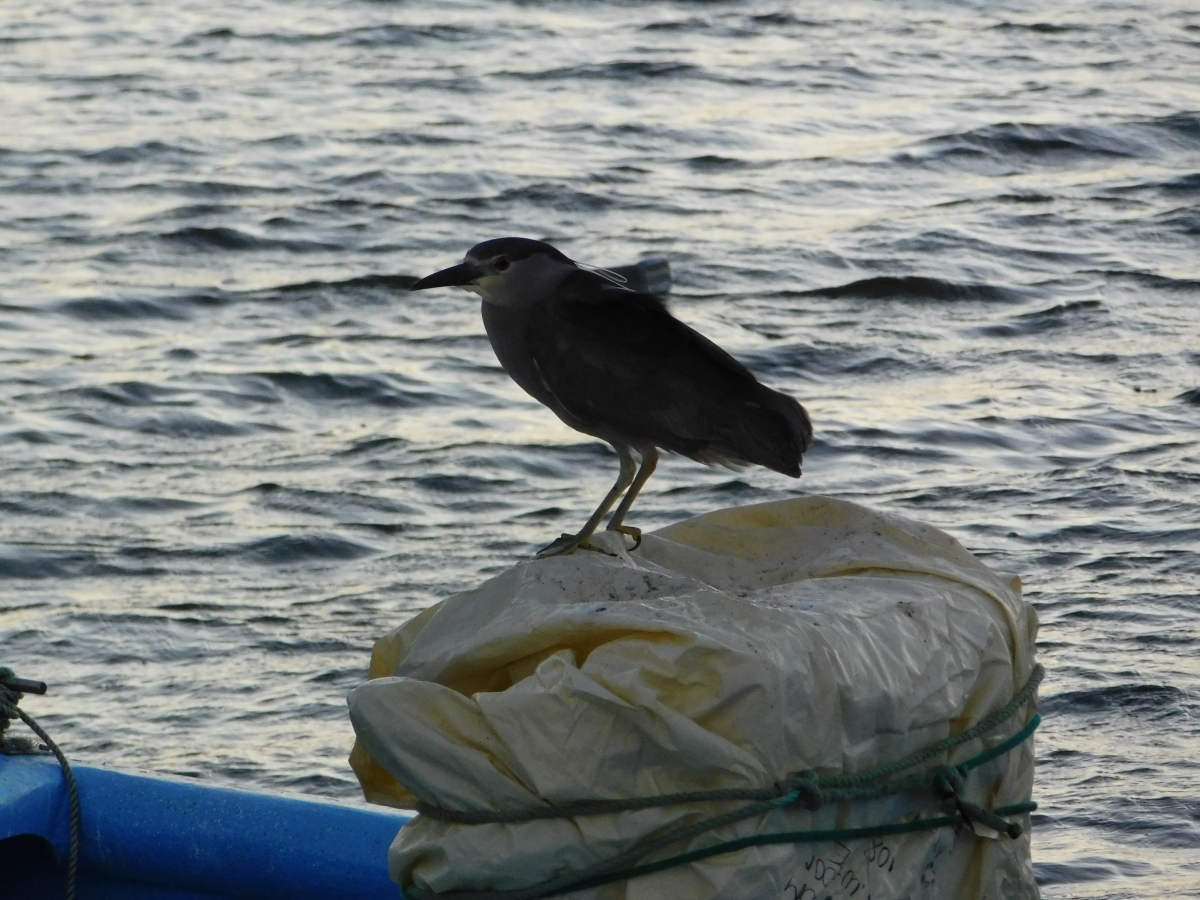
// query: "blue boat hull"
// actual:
[[159, 839]]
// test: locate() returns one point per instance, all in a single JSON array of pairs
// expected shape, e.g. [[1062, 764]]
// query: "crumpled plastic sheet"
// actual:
[[729, 650]]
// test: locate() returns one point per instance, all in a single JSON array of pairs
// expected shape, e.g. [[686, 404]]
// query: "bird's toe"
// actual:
[[563, 545], [628, 531]]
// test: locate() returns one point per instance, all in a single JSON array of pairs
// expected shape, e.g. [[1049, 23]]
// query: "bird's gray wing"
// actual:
[[619, 363]]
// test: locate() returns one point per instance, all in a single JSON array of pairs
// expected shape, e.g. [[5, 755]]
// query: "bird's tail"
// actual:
[[769, 429]]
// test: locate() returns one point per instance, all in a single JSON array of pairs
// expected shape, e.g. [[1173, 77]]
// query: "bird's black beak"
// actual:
[[455, 276]]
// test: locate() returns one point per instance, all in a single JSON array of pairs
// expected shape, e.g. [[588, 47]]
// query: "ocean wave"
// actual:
[[207, 187], [196, 237], [1011, 147], [37, 564], [150, 150], [914, 287], [1014, 147], [188, 425], [43, 503], [27, 436], [545, 194], [368, 36], [142, 506], [712, 162], [1043, 27], [1062, 315], [193, 211], [392, 391], [1090, 868], [100, 309], [678, 25], [396, 138], [1180, 186], [372, 445], [388, 282], [341, 504], [232, 444], [833, 360], [1150, 280], [1191, 397], [293, 549], [406, 35], [620, 70], [126, 393], [179, 425], [461, 484], [1134, 699]]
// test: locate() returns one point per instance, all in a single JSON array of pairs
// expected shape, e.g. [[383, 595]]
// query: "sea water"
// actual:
[[234, 450]]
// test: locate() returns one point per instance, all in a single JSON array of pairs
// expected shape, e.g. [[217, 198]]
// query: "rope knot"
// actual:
[[949, 781], [807, 789], [7, 698], [8, 706]]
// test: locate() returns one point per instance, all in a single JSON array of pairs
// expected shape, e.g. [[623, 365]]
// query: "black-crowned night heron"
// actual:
[[614, 363]]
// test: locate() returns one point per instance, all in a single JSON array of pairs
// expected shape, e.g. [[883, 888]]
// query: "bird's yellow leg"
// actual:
[[569, 543], [649, 464]]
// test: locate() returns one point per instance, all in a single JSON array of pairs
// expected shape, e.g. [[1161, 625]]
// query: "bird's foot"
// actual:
[[628, 531], [564, 545]]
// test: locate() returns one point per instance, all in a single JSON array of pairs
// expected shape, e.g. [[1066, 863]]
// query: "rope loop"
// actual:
[[806, 789], [787, 799], [10, 710], [973, 814], [949, 781], [8, 698]]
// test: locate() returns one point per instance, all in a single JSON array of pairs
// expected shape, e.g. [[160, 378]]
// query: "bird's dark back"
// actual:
[[620, 363]]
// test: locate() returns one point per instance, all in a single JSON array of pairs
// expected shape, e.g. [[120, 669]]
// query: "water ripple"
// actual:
[[236, 445]]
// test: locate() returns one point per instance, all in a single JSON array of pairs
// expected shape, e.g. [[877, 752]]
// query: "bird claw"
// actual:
[[563, 545], [628, 531], [566, 544]]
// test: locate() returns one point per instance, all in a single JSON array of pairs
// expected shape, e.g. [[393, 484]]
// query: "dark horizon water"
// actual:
[[235, 451]]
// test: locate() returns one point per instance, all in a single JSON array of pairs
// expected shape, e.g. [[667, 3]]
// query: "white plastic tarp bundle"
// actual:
[[728, 651]]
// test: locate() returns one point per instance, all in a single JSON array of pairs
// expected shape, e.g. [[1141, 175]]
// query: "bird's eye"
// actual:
[[502, 263]]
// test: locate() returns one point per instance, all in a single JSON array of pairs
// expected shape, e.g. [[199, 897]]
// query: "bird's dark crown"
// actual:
[[515, 248]]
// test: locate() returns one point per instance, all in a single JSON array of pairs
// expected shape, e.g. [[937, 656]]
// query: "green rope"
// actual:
[[812, 788], [10, 710], [591, 878], [984, 726], [804, 789], [783, 837]]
